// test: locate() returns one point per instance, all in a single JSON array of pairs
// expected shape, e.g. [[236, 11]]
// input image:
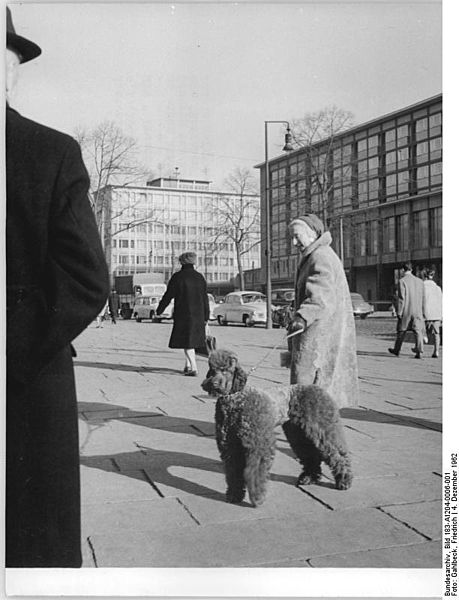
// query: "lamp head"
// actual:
[[288, 141]]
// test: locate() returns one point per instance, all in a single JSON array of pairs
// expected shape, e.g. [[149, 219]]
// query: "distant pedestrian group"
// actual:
[[418, 307]]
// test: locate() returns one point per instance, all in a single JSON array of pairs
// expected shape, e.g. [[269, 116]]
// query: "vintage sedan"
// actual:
[[360, 307], [245, 307], [145, 308]]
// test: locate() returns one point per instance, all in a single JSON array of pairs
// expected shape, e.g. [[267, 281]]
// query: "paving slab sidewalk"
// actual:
[[153, 491]]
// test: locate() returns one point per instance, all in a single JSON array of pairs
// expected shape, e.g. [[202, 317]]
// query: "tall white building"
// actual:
[[146, 228]]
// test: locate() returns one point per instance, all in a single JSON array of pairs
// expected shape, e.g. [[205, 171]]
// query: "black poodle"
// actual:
[[246, 417]]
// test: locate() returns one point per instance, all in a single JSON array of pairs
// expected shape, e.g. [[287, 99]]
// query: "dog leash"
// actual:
[[286, 337]]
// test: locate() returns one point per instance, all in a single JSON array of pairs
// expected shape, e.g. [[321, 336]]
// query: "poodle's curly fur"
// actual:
[[245, 419]]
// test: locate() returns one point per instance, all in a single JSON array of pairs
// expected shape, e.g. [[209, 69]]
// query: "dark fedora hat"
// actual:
[[26, 49]]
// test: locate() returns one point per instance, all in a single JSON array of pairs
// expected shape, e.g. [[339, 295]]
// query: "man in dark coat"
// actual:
[[410, 310], [188, 289], [57, 281]]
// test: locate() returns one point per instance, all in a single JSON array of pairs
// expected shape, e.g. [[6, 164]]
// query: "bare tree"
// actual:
[[111, 159], [237, 215], [321, 126]]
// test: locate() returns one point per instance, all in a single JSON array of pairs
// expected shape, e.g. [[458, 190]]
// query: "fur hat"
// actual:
[[312, 221], [187, 258], [24, 48]]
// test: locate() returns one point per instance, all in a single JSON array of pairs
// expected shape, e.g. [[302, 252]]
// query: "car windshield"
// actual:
[[357, 298], [211, 298], [246, 298]]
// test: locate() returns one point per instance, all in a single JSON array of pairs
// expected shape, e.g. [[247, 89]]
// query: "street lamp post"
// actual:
[[287, 148]]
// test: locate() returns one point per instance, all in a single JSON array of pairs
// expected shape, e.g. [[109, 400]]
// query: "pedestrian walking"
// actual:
[[113, 305], [325, 353], [57, 281], [433, 315], [410, 300], [188, 289], [101, 316]]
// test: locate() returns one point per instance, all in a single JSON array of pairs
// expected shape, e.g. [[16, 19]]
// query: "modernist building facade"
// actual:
[[379, 188], [146, 228]]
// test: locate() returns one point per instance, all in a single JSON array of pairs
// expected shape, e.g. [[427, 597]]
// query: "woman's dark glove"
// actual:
[[297, 323]]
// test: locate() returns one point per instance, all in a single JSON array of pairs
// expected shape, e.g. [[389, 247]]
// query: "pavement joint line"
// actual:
[[104, 394], [188, 511], [163, 411], [362, 432], [426, 537], [201, 432], [402, 405], [141, 448], [315, 498], [378, 385], [152, 483], [198, 398], [89, 431], [93, 552]]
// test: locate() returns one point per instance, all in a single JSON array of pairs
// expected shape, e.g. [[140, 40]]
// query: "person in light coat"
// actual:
[[325, 353], [433, 314], [409, 310]]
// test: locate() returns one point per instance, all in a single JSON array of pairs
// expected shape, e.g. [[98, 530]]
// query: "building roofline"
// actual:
[[180, 190], [356, 128], [187, 179]]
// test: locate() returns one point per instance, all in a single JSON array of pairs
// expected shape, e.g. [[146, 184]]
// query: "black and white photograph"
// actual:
[[224, 281]]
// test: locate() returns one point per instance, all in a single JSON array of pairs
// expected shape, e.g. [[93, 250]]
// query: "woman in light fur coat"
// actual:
[[325, 353]]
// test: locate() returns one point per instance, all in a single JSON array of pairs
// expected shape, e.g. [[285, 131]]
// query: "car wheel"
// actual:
[[247, 321], [138, 319], [221, 320], [364, 316], [158, 320]]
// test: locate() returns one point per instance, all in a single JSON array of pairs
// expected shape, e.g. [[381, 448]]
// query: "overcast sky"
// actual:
[[194, 83]]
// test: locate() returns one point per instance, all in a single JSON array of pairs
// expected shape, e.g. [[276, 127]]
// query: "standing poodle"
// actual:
[[246, 417]]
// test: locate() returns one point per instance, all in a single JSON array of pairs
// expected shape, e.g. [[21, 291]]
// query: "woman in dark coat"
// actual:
[[188, 289], [57, 281]]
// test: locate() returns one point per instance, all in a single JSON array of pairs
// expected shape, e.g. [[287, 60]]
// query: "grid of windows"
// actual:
[[157, 245], [393, 159]]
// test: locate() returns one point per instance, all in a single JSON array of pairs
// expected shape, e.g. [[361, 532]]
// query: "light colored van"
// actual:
[[145, 308]]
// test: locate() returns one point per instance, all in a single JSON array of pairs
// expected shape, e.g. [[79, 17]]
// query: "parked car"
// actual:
[[360, 307], [282, 297], [242, 307], [145, 308], [212, 305], [281, 306]]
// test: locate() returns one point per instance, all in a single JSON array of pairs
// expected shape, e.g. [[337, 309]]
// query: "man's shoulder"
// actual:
[[34, 130]]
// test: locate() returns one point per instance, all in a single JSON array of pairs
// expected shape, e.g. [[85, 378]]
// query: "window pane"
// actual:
[[421, 229], [389, 235], [402, 232], [436, 227]]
